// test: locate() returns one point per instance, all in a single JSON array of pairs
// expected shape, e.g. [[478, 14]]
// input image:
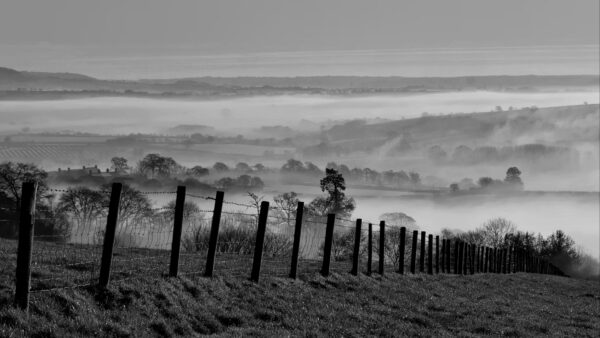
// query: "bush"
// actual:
[[237, 234], [343, 245]]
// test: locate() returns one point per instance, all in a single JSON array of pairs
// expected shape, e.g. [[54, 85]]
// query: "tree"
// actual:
[[485, 182], [190, 210], [256, 201], [415, 178], [495, 231], [12, 177], [198, 171], [437, 154], [454, 187], [513, 177], [287, 203], [293, 166], [336, 202], [133, 204], [559, 246], [157, 165], [119, 164], [83, 204], [243, 167], [220, 167]]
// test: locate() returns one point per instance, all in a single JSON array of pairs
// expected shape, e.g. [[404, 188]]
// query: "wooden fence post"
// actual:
[[456, 252], [461, 249], [260, 240], [494, 260], [109, 235], [422, 253], [413, 253], [485, 259], [490, 260], [443, 260], [430, 255], [498, 260], [448, 250], [177, 229], [297, 236], [356, 252], [510, 260], [437, 254], [465, 257], [381, 247], [477, 255], [214, 234], [402, 246], [25, 246], [370, 250], [482, 260], [505, 260], [473, 260], [328, 244]]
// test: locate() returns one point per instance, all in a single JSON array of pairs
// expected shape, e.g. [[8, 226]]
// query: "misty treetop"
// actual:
[[511, 183]]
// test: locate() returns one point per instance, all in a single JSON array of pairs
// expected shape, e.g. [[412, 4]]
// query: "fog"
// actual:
[[135, 115], [576, 214]]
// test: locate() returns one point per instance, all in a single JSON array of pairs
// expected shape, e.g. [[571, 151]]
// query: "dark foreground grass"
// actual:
[[519, 305]]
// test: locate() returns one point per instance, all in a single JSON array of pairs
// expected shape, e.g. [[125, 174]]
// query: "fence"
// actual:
[[233, 239]]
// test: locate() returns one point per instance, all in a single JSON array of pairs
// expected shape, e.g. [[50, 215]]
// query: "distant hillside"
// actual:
[[41, 85], [555, 125]]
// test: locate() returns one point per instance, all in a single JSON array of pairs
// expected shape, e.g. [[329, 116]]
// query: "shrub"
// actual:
[[237, 234]]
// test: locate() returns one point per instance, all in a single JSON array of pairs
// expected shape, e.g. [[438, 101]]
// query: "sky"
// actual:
[[154, 38]]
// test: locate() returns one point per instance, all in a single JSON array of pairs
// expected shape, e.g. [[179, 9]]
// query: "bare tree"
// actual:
[[495, 231], [287, 203], [255, 201], [83, 204]]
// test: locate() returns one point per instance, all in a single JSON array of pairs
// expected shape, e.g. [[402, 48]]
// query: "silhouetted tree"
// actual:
[[220, 167], [334, 184], [513, 177], [119, 164]]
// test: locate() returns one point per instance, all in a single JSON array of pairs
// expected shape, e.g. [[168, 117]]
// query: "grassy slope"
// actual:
[[341, 305]]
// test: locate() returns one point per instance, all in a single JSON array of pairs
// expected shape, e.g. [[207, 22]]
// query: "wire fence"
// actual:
[[71, 255]]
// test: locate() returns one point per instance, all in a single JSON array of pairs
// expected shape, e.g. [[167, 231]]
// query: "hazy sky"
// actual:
[[52, 35]]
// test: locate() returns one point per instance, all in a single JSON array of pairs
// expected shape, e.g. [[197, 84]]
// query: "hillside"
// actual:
[[554, 125], [518, 305]]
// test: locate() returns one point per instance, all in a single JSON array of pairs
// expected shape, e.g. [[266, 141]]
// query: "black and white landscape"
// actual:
[[474, 122]]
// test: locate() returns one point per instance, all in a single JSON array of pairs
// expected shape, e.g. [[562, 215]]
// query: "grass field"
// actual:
[[517, 305]]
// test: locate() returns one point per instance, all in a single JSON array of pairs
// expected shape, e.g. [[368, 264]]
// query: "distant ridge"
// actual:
[[47, 85]]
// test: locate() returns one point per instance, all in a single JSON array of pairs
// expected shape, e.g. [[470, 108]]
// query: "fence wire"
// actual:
[[67, 250]]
